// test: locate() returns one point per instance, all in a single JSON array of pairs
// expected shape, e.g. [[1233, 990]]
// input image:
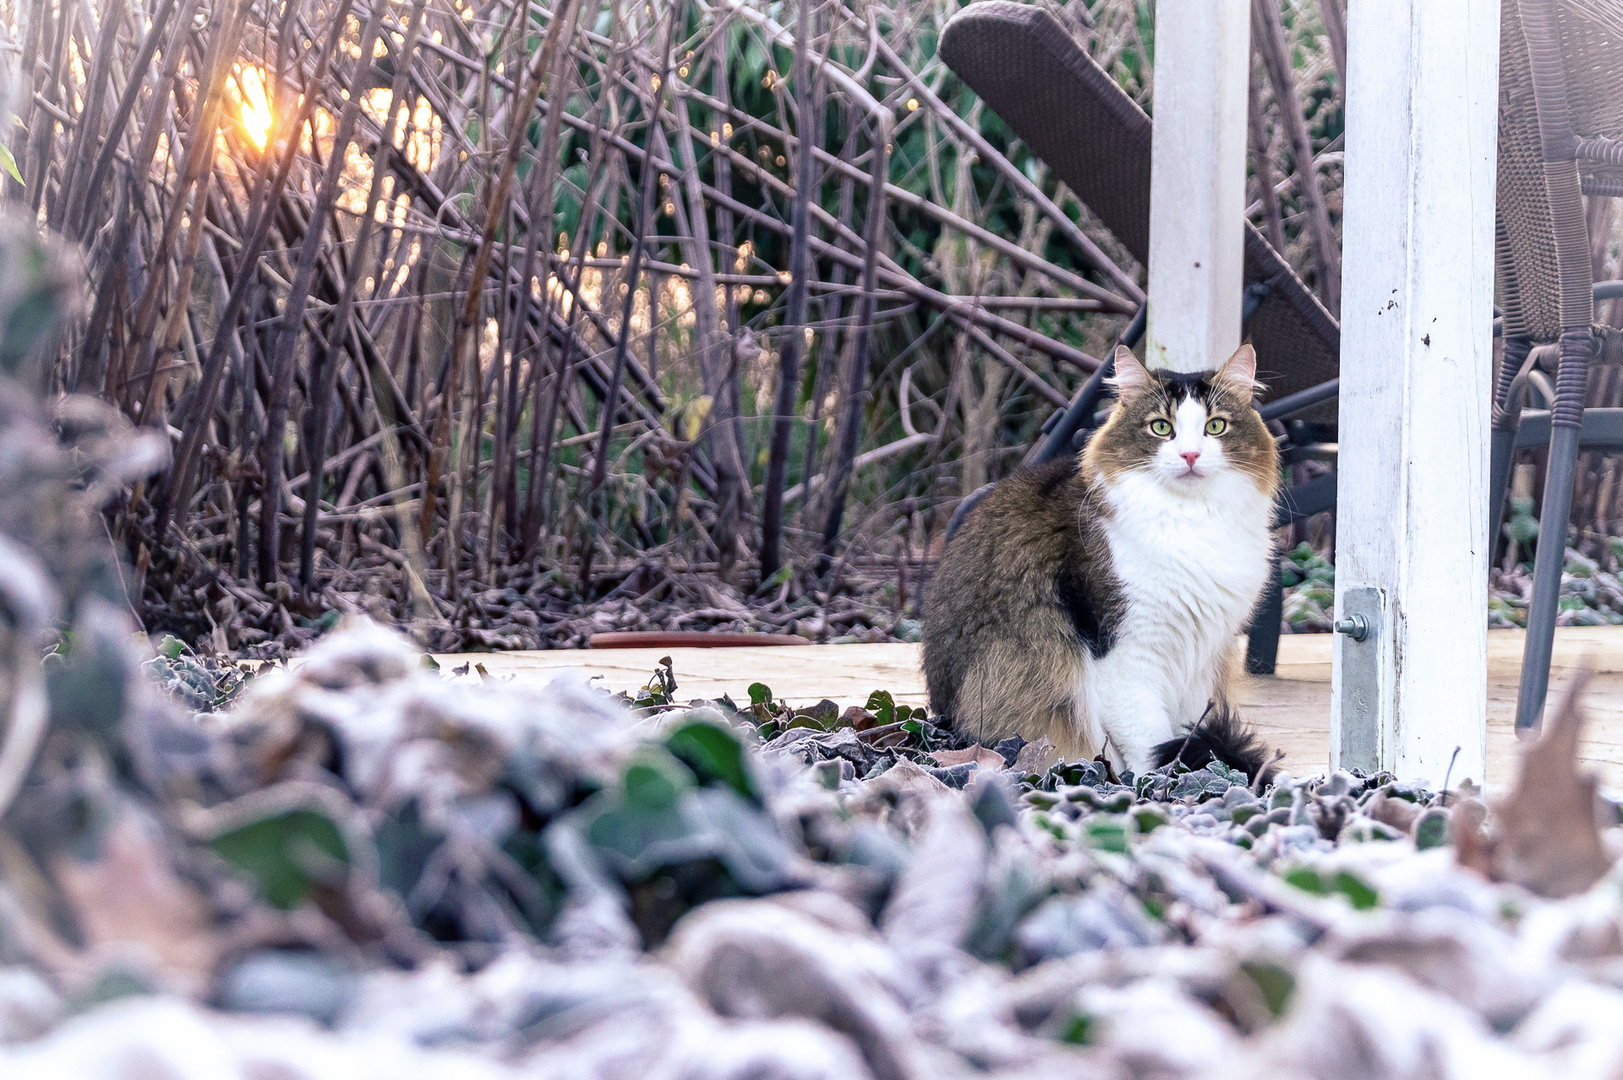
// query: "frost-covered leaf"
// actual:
[[287, 855]]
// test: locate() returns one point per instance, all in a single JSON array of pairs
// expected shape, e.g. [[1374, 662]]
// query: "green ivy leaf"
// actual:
[[1078, 1030], [287, 855], [883, 706], [1244, 813], [1148, 819], [1106, 834], [713, 754], [1431, 830], [653, 782], [1522, 529], [1355, 890], [1305, 878], [1274, 983]]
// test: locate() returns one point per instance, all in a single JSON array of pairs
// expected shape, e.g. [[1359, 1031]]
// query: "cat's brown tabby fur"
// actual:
[[1095, 601]]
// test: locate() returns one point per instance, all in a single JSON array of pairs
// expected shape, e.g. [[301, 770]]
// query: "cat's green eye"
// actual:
[[1160, 429], [1216, 426]]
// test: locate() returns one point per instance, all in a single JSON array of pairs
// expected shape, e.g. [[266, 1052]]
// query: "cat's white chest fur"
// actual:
[[1191, 564]]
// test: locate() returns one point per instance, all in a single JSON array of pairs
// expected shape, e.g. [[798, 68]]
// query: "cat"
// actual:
[[1095, 601]]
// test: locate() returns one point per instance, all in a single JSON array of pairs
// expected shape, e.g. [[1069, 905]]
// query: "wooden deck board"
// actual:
[[1291, 709]]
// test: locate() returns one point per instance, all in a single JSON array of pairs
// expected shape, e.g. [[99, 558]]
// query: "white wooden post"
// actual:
[[1416, 366], [1197, 182]]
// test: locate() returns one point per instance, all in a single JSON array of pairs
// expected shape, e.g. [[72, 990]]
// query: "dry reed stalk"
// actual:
[[1268, 34], [592, 519], [793, 339], [879, 147]]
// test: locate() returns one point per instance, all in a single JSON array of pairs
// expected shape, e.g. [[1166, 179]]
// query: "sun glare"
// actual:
[[256, 113]]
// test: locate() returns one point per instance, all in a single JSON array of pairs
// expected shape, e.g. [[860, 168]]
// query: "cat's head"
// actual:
[[1186, 429]]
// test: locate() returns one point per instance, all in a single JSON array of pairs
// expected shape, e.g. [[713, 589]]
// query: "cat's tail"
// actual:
[[1221, 734]]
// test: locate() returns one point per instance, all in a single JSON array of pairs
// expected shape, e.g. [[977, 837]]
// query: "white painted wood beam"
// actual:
[[1197, 182], [1416, 351]]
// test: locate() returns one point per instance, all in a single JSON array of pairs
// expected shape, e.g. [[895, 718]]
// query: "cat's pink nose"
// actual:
[[1190, 456]]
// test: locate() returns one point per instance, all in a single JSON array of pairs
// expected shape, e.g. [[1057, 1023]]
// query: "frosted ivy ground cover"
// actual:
[[362, 869]]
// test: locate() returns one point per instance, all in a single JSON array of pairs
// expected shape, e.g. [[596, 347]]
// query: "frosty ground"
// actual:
[[362, 869]]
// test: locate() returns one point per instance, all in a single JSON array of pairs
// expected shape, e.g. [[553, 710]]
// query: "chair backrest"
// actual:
[[1583, 59], [1096, 139], [1592, 48]]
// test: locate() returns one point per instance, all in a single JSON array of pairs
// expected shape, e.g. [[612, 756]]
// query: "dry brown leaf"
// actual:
[[1035, 757], [859, 718], [1398, 813], [130, 896], [1546, 832], [984, 757]]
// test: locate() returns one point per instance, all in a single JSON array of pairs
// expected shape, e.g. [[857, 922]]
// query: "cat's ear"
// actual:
[[1239, 372], [1131, 376]]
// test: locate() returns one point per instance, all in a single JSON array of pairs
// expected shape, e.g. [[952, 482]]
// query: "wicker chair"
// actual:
[[1072, 114], [1560, 119]]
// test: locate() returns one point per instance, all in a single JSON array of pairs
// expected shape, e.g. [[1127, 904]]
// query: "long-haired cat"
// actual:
[[1096, 600]]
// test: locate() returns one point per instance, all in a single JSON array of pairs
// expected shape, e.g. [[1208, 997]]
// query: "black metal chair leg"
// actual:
[[1566, 425], [1302, 501], [1500, 456], [1506, 419], [1262, 643]]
